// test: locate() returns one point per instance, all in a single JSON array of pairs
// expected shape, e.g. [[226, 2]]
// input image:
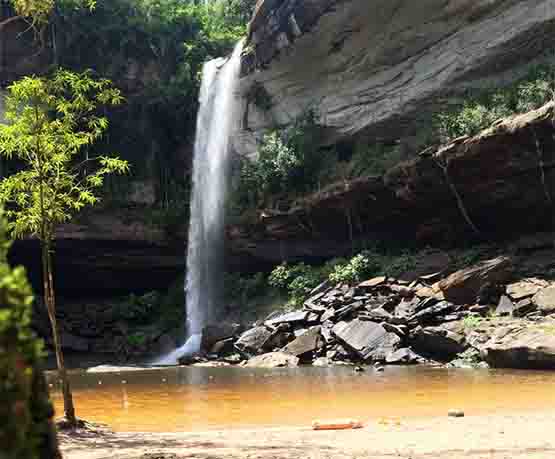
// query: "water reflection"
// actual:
[[184, 399]]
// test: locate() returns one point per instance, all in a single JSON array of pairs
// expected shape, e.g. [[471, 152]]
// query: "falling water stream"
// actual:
[[215, 124]]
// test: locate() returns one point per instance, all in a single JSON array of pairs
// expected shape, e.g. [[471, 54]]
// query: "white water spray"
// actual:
[[215, 124]]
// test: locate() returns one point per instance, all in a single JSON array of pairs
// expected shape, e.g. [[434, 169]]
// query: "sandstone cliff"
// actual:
[[378, 68]]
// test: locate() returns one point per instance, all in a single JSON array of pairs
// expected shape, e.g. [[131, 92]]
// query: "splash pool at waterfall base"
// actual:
[[195, 399]]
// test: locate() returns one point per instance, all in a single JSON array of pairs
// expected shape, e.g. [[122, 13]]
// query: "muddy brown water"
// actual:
[[198, 399]]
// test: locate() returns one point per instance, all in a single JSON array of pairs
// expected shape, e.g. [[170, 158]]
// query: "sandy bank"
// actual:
[[520, 435]]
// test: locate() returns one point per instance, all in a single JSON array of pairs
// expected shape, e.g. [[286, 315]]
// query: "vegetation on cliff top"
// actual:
[[290, 162]]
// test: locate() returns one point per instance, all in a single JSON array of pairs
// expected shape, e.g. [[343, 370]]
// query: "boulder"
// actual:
[[525, 288], [273, 360], [368, 340], [321, 362], [464, 286], [211, 334], [329, 314], [505, 307], [253, 340], [404, 356], [428, 267], [524, 307], [373, 283], [376, 315], [289, 318], [545, 300], [433, 313], [442, 343], [532, 347], [222, 347], [306, 344]]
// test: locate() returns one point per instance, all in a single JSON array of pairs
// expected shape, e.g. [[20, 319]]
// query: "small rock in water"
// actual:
[[321, 362], [455, 413], [379, 369], [359, 369]]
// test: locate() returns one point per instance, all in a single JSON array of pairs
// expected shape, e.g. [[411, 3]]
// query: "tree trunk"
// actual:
[[50, 300]]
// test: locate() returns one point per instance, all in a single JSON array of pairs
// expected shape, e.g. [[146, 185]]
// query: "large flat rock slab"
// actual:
[[545, 300], [307, 343], [531, 348], [368, 339], [253, 340], [273, 360]]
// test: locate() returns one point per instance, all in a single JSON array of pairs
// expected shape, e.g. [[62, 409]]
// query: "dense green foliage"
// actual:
[[25, 410], [38, 12], [50, 123], [289, 163], [300, 279], [482, 110], [154, 50]]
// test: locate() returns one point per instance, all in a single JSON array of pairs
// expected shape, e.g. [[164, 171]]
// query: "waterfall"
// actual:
[[215, 123]]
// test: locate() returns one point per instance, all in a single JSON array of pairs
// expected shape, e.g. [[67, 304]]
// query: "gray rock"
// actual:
[[321, 289], [545, 300], [404, 356], [524, 307], [321, 362], [525, 288], [432, 313], [273, 360], [252, 340], [347, 310], [505, 307], [529, 348], [406, 308], [289, 318], [399, 330], [376, 315], [225, 346], [381, 84], [307, 343], [313, 317], [279, 338], [464, 286], [329, 314], [326, 332], [367, 339], [441, 343], [373, 283], [211, 334]]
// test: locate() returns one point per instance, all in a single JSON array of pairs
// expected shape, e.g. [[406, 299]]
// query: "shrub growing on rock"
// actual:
[[482, 110]]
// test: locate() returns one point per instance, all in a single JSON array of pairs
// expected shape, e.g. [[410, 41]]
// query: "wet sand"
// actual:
[[527, 435]]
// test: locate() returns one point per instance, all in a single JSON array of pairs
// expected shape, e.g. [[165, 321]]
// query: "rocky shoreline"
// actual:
[[499, 312]]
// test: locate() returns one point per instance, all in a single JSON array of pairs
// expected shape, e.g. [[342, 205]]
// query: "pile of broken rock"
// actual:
[[474, 313]]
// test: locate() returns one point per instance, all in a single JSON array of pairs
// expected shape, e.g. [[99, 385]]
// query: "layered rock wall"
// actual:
[[496, 184], [379, 68]]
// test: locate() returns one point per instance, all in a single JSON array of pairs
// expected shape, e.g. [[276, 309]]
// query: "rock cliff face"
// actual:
[[378, 68], [109, 253], [496, 184]]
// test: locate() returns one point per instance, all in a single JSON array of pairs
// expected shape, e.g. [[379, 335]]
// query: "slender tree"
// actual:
[[49, 124]]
